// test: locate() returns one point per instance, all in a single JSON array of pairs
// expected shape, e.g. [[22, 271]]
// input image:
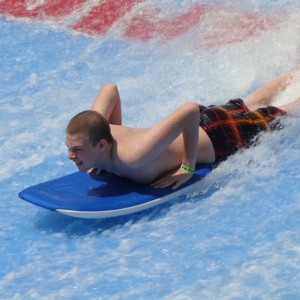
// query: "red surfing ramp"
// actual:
[[102, 16], [53, 8], [138, 20]]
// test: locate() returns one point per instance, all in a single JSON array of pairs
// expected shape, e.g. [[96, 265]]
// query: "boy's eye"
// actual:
[[75, 150]]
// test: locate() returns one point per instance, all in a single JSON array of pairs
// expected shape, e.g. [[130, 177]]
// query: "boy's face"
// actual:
[[82, 152]]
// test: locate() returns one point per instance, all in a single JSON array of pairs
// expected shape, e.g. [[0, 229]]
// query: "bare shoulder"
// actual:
[[120, 132], [128, 141]]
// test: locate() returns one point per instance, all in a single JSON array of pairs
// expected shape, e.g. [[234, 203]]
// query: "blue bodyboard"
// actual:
[[104, 195]]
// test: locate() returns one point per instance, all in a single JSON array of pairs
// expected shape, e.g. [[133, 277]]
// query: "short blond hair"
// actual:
[[90, 124]]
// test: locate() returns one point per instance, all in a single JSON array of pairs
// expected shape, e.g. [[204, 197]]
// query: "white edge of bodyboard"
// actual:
[[126, 210]]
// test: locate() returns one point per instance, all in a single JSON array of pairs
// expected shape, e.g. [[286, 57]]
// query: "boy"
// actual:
[[166, 154]]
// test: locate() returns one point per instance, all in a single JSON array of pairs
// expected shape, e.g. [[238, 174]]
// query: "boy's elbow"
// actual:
[[192, 110], [192, 106], [111, 86]]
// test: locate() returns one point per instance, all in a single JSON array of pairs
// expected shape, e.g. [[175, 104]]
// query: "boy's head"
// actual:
[[90, 125]]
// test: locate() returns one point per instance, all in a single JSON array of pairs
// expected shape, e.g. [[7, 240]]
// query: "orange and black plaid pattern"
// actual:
[[232, 126]]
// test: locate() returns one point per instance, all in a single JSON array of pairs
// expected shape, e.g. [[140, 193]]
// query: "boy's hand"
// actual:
[[175, 179], [94, 170]]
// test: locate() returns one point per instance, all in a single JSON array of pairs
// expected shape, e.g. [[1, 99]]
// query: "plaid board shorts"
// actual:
[[233, 126]]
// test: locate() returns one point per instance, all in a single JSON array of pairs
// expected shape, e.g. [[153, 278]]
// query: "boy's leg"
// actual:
[[291, 107], [264, 95]]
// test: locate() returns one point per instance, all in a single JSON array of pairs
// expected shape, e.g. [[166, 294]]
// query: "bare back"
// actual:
[[125, 140]]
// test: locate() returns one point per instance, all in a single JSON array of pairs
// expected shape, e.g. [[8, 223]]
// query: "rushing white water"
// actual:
[[235, 237]]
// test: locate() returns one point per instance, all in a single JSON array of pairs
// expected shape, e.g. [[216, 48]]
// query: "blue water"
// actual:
[[236, 236]]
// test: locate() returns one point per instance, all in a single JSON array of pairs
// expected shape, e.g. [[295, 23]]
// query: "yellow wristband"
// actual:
[[187, 169]]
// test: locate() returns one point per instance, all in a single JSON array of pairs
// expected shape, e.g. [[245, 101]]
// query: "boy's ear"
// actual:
[[102, 144]]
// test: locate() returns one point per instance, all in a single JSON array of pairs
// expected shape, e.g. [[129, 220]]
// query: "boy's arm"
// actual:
[[108, 104], [184, 120]]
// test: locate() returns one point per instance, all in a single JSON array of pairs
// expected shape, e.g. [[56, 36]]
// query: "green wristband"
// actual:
[[187, 169]]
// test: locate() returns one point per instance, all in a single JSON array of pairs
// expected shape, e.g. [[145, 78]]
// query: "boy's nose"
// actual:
[[71, 155]]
